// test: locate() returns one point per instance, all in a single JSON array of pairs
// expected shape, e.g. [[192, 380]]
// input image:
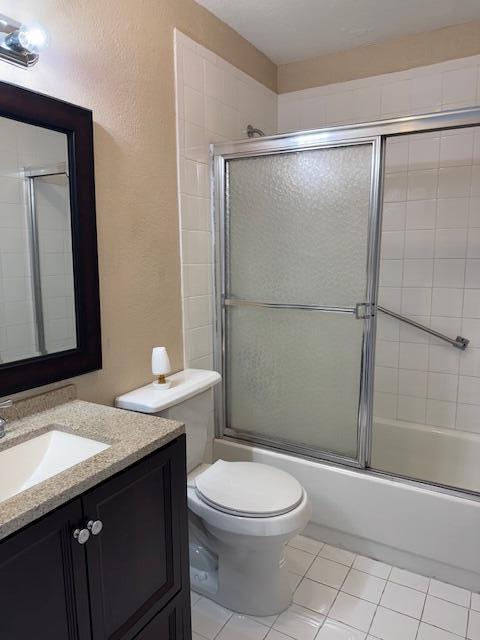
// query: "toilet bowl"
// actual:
[[241, 514]]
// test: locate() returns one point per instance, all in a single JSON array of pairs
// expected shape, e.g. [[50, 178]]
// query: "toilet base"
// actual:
[[246, 576]]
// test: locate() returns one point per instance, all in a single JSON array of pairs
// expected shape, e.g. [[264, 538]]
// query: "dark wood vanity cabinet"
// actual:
[[128, 581]]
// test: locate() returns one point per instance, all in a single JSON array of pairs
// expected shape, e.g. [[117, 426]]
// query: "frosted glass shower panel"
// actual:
[[297, 226], [294, 376]]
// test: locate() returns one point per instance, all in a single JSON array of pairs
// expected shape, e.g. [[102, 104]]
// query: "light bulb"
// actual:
[[33, 37], [30, 37]]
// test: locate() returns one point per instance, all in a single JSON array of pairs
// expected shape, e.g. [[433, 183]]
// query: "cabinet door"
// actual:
[[43, 584], [135, 564], [169, 624]]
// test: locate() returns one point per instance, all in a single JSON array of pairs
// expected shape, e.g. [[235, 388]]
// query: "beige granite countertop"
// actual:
[[132, 436]]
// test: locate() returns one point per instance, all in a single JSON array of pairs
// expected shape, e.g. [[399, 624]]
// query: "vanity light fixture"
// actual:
[[20, 44]]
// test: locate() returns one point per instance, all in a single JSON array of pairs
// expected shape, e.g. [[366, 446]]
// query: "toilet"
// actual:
[[241, 514]]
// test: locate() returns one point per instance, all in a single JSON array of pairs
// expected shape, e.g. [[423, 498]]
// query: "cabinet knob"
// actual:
[[81, 535], [95, 527]]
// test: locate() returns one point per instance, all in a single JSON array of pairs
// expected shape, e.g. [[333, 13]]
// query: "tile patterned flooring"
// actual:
[[343, 596]]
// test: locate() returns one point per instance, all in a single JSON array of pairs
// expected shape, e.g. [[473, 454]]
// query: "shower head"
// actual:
[[253, 131]]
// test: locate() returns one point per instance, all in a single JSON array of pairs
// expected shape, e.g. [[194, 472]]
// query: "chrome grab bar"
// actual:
[[458, 342]]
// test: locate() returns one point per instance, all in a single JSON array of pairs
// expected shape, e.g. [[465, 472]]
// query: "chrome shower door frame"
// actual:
[[308, 141]]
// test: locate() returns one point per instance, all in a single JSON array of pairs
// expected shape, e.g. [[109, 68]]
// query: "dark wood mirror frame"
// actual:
[[33, 108]]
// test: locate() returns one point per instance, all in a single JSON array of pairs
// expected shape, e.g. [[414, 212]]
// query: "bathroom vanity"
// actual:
[[99, 551]]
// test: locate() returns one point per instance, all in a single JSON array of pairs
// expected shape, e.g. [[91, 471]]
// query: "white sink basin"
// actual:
[[42, 457]]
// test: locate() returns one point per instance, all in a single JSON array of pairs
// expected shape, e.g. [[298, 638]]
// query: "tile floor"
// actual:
[[343, 596]]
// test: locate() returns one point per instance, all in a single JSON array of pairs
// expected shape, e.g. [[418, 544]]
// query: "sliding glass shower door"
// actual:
[[296, 231]]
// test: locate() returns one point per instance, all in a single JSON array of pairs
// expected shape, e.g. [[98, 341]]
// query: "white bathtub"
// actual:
[[416, 528], [443, 456]]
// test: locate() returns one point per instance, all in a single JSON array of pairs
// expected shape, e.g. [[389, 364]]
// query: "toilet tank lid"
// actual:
[[249, 489], [185, 385]]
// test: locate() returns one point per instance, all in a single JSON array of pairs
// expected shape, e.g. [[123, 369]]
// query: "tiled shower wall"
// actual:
[[429, 233], [430, 271], [215, 102], [430, 267]]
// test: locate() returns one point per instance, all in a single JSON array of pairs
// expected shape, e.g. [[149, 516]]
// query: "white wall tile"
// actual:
[[449, 273], [419, 244], [422, 185], [442, 386], [443, 359], [450, 243], [421, 214], [459, 86], [393, 216], [418, 273], [452, 213], [412, 383], [441, 414], [446, 302], [454, 182], [411, 409]]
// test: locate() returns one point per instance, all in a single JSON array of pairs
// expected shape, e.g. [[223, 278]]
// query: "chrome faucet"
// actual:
[[3, 423]]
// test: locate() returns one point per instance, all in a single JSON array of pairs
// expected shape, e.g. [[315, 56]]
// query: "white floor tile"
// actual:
[[299, 623], [197, 636], [409, 579], [267, 621], [208, 618], [242, 628], [390, 625], [327, 572], [333, 630], [473, 632], [352, 611], [373, 567], [364, 586], [403, 599], [194, 597], [445, 615], [475, 601], [449, 592], [427, 632], [306, 544], [276, 635], [298, 561], [315, 596], [337, 555]]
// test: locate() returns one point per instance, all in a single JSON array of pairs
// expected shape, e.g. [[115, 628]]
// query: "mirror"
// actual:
[[49, 297], [37, 301]]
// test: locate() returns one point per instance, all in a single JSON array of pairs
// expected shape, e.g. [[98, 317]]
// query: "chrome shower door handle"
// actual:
[[364, 310]]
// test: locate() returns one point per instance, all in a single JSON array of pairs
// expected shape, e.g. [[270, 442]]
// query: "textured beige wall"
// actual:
[[116, 58], [417, 50]]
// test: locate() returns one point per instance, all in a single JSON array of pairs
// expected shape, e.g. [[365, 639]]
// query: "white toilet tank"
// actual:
[[189, 400]]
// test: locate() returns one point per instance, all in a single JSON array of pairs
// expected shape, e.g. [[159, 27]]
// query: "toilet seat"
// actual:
[[248, 489]]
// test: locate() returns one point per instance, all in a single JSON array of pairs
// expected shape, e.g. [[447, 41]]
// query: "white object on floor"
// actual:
[[248, 573], [241, 515], [351, 612], [26, 464]]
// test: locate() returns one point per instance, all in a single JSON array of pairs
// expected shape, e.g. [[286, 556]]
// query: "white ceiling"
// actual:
[[290, 30]]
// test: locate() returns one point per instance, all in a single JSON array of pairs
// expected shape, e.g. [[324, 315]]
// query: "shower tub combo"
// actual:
[[297, 245]]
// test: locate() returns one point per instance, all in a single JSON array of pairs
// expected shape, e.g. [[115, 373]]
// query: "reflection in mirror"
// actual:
[[37, 308]]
